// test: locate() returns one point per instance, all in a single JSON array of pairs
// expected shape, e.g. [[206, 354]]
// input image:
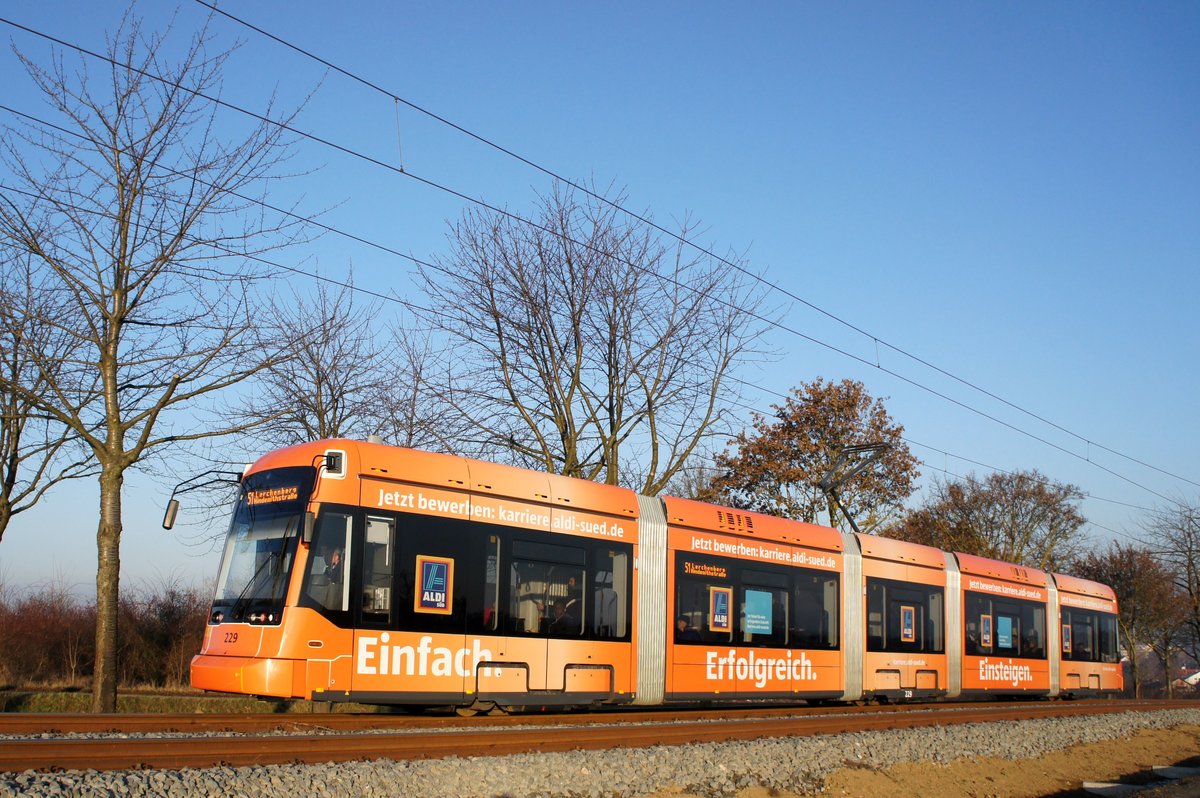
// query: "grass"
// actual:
[[147, 701]]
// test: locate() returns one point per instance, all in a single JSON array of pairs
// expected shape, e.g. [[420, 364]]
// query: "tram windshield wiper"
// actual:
[[275, 555], [246, 595]]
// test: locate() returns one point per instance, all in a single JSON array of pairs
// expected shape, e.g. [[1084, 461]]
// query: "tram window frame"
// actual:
[[458, 540], [1093, 635], [451, 539], [1110, 638], [547, 569], [886, 601], [334, 530], [693, 592], [378, 575], [1022, 616], [490, 615], [602, 592], [611, 578], [775, 586], [816, 587], [821, 592]]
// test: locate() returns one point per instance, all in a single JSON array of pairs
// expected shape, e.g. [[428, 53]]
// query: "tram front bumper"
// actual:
[[246, 675]]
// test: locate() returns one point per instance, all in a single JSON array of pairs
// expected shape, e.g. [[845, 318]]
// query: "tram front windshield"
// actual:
[[261, 545]]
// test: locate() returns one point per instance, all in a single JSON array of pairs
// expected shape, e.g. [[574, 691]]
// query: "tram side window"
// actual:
[[1083, 636], [1033, 626], [815, 614], [704, 596], [491, 585], [1093, 636], [1011, 628], [1108, 638], [439, 575], [326, 583], [378, 567], [547, 589], [764, 608], [610, 583], [904, 617]]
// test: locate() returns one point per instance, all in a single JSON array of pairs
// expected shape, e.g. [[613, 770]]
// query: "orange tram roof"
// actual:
[[452, 472], [706, 517]]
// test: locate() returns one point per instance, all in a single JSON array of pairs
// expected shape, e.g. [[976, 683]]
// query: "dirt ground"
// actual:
[[1061, 774]]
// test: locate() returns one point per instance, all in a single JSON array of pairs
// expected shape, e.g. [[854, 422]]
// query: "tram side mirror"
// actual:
[[172, 511], [310, 521]]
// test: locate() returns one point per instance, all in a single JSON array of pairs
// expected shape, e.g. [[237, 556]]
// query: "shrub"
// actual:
[[47, 636]]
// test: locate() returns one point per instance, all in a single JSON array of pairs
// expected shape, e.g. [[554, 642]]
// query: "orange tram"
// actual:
[[362, 572]]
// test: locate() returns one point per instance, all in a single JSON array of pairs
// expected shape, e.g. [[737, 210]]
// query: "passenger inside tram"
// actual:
[[684, 631], [563, 623]]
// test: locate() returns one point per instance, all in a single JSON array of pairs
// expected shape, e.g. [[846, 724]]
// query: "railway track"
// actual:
[[241, 740], [87, 723]]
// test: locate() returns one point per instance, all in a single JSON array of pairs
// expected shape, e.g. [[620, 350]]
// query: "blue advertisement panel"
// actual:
[[758, 612], [1004, 632]]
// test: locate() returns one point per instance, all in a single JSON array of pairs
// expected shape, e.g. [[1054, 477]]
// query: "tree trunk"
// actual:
[[1165, 658], [1131, 650], [1136, 674], [108, 570]]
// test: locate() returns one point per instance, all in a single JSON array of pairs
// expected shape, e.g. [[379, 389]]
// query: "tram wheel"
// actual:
[[477, 708]]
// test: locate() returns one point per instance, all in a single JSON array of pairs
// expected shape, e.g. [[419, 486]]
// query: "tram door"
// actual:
[[547, 610], [904, 626], [374, 603], [327, 589]]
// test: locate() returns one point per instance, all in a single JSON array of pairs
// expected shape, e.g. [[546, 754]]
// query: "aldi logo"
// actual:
[[908, 624], [436, 585], [720, 599]]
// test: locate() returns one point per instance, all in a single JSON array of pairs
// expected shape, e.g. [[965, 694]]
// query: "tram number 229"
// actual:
[[907, 693], [231, 637]]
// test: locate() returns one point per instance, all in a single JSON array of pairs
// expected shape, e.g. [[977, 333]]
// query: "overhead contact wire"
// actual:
[[520, 219], [684, 240]]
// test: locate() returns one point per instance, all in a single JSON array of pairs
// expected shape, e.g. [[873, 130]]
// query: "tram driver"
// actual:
[[333, 575]]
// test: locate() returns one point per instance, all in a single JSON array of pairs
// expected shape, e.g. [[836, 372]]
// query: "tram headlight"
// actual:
[[218, 616]]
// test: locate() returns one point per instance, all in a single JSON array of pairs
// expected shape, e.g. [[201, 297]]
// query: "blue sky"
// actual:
[[1008, 191]]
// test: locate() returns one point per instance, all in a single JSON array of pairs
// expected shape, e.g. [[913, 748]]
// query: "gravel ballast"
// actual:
[[796, 764]]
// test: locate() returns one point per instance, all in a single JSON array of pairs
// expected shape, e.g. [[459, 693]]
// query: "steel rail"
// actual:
[[178, 752], [83, 722], [298, 723]]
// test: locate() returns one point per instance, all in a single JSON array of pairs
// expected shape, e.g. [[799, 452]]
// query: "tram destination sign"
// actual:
[[282, 493]]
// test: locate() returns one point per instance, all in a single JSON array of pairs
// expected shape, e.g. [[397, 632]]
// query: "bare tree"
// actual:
[[128, 211], [36, 451], [1175, 533], [330, 385], [349, 377], [586, 345], [777, 467], [417, 406], [1021, 517], [1141, 584], [694, 480]]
